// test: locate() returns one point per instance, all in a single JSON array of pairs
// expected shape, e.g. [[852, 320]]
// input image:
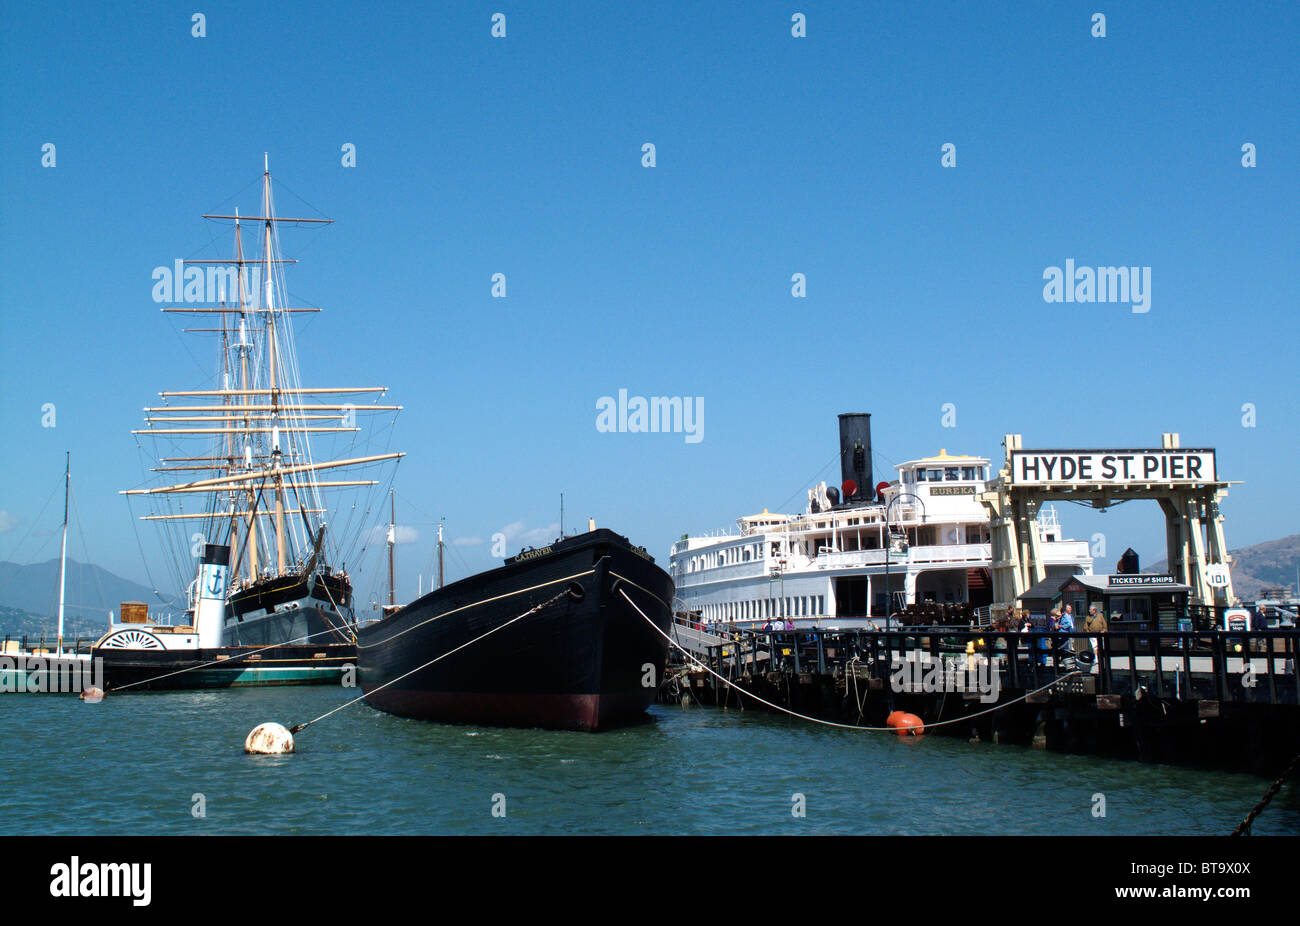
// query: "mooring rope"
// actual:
[[530, 611], [225, 661], [831, 723], [1243, 828]]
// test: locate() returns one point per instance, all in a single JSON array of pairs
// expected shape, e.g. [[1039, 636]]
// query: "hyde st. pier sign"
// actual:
[[1112, 467]]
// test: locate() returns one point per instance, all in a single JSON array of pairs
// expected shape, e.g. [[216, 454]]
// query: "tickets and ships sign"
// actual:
[[1111, 467]]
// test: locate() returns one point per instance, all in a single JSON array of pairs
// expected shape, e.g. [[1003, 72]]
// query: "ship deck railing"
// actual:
[[1227, 666], [44, 646]]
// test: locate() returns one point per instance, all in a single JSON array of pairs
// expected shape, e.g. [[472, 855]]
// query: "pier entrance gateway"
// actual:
[[1185, 483]]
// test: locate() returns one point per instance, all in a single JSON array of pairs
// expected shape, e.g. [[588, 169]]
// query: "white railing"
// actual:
[[743, 570], [1062, 551], [951, 553], [938, 553], [848, 558]]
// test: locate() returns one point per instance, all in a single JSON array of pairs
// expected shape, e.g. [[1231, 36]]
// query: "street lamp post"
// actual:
[[889, 543]]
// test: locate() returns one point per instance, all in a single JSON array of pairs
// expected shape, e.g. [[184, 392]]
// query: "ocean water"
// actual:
[[143, 763]]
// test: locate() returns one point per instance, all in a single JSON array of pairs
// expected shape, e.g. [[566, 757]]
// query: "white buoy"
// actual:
[[269, 739], [92, 695]]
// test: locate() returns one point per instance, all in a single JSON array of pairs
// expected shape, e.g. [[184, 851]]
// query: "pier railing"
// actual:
[[1254, 666]]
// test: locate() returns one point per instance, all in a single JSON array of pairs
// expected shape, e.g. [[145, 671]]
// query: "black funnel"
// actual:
[[215, 553], [855, 458]]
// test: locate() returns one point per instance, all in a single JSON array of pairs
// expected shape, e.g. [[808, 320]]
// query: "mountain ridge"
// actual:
[[1270, 563]]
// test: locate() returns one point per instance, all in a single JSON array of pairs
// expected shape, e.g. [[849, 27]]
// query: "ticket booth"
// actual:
[[1129, 602]]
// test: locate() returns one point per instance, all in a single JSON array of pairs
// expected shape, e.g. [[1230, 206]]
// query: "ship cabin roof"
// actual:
[[758, 522], [945, 467]]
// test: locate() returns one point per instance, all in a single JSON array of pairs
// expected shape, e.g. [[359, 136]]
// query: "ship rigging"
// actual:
[[275, 511]]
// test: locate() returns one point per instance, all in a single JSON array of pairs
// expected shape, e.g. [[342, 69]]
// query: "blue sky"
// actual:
[[775, 155]]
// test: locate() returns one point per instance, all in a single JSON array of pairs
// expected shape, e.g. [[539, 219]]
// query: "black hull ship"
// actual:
[[282, 610], [585, 659]]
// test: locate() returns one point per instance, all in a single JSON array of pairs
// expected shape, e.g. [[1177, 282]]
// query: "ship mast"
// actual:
[[244, 346], [259, 418], [63, 556], [276, 453]]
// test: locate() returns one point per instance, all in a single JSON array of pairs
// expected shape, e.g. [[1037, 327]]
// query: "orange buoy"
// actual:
[[893, 719], [909, 724]]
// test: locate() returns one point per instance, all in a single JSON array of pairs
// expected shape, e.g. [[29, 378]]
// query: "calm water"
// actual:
[[131, 765]]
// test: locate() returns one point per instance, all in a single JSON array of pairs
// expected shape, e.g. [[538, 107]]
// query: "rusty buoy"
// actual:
[[269, 739], [92, 695]]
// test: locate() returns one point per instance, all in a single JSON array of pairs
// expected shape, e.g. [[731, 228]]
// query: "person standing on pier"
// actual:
[[1064, 624], [1094, 624]]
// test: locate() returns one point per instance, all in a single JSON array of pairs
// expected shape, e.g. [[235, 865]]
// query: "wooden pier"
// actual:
[[1210, 698]]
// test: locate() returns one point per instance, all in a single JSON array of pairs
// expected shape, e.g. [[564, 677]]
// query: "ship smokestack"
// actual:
[[855, 458], [210, 596]]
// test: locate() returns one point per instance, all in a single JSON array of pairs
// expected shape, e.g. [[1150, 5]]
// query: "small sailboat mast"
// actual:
[[392, 544], [63, 555], [440, 547]]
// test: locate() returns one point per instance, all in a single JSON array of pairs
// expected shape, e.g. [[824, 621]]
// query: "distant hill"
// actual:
[[17, 623], [1270, 563], [90, 591]]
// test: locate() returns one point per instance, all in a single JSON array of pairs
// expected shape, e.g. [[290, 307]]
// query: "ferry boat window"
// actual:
[[950, 473], [968, 472], [935, 475], [919, 475]]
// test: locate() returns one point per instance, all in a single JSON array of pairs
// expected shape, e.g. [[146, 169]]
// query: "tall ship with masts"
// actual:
[[245, 490]]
